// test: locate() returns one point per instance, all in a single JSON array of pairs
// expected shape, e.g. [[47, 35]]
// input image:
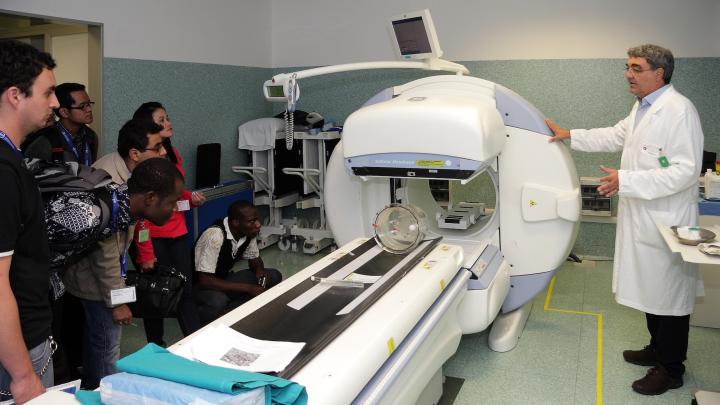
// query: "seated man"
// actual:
[[221, 246]]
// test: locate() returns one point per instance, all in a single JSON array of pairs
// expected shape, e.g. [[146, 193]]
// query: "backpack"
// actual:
[[57, 143], [53, 177], [78, 206]]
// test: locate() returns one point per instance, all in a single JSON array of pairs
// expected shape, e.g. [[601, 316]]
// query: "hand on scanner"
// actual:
[[560, 133]]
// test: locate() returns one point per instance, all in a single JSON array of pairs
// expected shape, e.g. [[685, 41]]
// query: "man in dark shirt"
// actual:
[[69, 139], [27, 98]]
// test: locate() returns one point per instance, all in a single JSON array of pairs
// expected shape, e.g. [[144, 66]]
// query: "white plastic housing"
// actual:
[[468, 128]]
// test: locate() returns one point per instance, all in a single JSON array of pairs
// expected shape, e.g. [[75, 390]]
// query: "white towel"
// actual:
[[710, 248], [259, 134], [133, 389]]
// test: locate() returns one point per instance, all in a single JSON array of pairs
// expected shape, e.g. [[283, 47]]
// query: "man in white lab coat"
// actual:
[[661, 143]]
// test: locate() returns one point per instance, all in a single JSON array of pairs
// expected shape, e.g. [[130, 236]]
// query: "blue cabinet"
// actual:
[[219, 199]]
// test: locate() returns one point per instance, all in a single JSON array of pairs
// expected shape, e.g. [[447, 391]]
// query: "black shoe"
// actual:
[[656, 381], [644, 357]]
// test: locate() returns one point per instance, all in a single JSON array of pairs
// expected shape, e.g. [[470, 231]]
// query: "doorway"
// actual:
[[76, 47]]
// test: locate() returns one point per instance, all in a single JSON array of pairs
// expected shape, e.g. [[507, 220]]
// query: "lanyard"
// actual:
[[6, 139], [68, 140], [123, 263], [114, 227], [114, 212]]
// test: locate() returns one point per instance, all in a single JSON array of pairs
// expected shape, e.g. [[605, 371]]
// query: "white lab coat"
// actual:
[[646, 275]]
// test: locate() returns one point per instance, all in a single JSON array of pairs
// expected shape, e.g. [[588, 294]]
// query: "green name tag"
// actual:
[[143, 235], [663, 161]]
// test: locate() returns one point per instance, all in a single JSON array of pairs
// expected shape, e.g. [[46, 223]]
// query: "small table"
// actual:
[[700, 316], [689, 253], [705, 313]]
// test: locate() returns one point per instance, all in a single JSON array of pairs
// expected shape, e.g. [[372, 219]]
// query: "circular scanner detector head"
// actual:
[[399, 228]]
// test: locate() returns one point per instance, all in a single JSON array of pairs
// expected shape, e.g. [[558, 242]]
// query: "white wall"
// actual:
[[280, 33], [716, 33], [228, 32], [325, 32]]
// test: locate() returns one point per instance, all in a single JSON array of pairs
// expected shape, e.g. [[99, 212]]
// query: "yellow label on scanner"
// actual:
[[391, 345], [430, 163]]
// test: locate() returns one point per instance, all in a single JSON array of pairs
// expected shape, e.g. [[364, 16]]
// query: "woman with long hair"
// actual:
[[168, 244]]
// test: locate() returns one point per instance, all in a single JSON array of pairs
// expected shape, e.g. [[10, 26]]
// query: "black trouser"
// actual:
[[67, 328], [213, 304], [669, 338], [175, 252]]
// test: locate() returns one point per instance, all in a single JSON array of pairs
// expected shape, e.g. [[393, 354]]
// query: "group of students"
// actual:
[[86, 321]]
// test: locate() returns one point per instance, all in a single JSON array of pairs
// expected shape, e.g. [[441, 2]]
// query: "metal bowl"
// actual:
[[704, 236]]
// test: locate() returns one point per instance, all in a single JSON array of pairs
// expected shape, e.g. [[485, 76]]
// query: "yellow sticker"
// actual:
[[444, 247], [533, 203], [430, 163], [144, 235], [391, 345], [442, 285]]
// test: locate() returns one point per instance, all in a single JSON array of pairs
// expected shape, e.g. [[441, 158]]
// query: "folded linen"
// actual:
[[155, 361]]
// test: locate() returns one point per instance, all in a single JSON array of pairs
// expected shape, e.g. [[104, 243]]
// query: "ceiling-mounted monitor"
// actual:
[[415, 36]]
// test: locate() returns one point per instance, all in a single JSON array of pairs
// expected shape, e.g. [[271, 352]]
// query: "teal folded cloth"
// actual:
[[88, 397], [155, 361]]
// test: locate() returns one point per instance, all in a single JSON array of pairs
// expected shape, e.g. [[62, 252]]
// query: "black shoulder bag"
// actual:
[[158, 291]]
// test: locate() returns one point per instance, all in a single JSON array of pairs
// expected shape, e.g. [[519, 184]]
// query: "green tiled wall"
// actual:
[[206, 103], [576, 93]]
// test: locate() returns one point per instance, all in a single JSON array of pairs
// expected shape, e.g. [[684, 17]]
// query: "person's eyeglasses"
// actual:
[[634, 69], [83, 106], [157, 148]]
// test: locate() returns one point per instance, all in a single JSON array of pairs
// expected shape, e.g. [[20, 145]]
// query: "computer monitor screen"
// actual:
[[276, 91], [411, 36]]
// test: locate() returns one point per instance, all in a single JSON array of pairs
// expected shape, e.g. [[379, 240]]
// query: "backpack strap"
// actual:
[[57, 143], [57, 146], [67, 176]]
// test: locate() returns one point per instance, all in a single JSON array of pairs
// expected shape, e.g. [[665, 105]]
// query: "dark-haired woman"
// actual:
[[168, 244]]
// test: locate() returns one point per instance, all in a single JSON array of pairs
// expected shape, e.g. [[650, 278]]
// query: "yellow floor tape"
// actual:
[[598, 376]]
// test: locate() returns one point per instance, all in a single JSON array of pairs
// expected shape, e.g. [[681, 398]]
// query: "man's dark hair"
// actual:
[[657, 57], [20, 64], [237, 209], [144, 114], [134, 135], [154, 174], [62, 92]]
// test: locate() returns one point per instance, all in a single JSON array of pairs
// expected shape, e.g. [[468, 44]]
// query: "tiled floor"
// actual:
[[556, 360]]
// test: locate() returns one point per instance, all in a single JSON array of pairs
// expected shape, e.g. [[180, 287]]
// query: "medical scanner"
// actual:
[[378, 321], [379, 324]]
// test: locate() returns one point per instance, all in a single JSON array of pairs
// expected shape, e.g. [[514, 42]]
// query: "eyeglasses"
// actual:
[[83, 106], [635, 69], [157, 148]]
